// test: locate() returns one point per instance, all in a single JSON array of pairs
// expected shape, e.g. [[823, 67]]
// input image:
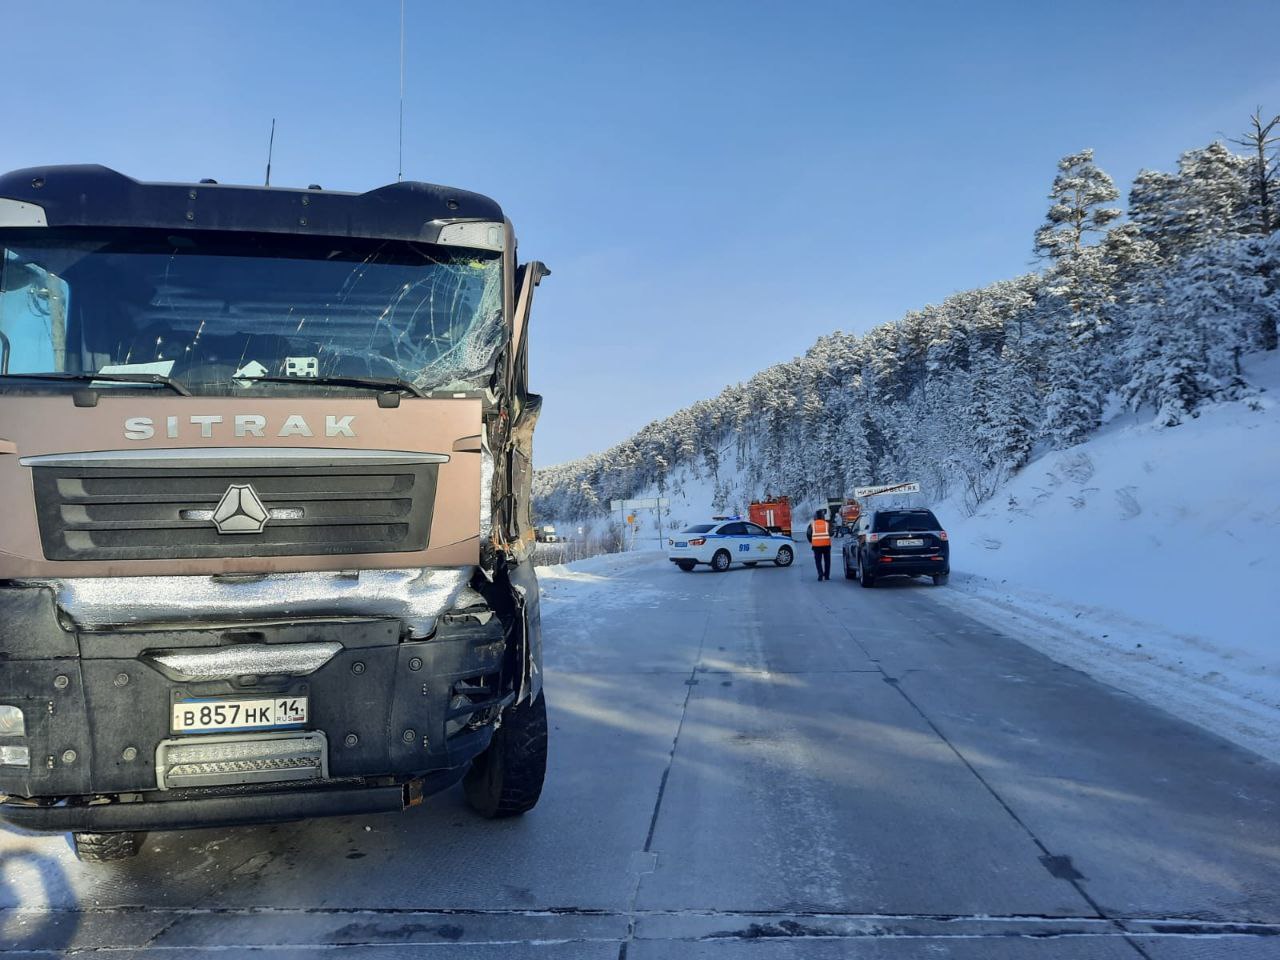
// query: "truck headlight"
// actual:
[[11, 722]]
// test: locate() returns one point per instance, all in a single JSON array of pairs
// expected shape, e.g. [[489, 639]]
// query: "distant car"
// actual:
[[721, 543], [898, 543]]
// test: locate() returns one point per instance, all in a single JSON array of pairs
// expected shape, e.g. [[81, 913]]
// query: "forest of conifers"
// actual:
[[1152, 308]]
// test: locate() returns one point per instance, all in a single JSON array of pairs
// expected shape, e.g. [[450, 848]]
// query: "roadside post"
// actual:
[[644, 503]]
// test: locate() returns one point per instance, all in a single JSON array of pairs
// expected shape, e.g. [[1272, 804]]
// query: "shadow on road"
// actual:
[[29, 883]]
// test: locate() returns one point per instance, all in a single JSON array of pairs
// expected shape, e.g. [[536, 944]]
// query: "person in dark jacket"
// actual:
[[819, 536]]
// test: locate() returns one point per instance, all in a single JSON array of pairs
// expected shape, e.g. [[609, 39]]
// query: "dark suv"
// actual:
[[898, 543]]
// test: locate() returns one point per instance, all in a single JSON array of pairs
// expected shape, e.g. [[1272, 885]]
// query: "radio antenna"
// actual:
[[400, 173], [271, 145]]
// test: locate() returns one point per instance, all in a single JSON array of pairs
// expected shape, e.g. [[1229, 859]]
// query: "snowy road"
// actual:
[[750, 764]]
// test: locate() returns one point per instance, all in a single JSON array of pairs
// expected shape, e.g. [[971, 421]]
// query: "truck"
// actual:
[[772, 513], [546, 533], [266, 457]]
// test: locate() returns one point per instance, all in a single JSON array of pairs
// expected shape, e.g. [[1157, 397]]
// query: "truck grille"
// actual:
[[89, 511]]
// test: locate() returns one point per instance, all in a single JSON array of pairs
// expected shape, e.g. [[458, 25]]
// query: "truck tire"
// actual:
[[848, 574], [105, 847], [785, 556], [685, 565], [506, 779], [867, 579], [720, 562]]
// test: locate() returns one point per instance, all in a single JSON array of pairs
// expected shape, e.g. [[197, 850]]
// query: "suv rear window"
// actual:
[[893, 521], [700, 528]]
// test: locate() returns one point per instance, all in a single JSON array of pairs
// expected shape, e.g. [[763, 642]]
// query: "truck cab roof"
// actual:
[[92, 195]]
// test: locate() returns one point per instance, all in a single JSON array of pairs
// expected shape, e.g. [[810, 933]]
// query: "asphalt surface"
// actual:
[[750, 764]]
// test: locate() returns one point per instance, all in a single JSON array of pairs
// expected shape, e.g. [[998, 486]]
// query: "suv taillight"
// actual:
[[942, 535]]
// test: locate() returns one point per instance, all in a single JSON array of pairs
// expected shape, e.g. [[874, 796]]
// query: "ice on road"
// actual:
[[749, 764]]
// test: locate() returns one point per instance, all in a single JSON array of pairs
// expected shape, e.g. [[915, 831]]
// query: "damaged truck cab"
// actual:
[[265, 456]]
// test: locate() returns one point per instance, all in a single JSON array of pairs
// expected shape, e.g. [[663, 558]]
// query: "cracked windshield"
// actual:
[[214, 314]]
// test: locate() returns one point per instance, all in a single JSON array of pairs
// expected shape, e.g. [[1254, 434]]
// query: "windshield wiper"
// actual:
[[156, 378], [373, 383]]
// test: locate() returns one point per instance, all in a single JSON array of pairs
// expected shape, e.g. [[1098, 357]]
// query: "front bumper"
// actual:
[[399, 716], [154, 812]]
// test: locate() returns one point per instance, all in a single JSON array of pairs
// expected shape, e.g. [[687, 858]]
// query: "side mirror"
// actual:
[[528, 277]]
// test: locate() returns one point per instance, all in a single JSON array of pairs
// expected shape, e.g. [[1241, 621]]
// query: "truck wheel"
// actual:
[[848, 574], [506, 779], [104, 847], [785, 556], [685, 565], [720, 562], [940, 579]]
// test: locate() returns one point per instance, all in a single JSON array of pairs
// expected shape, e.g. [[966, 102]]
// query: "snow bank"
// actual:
[[596, 569], [1146, 557]]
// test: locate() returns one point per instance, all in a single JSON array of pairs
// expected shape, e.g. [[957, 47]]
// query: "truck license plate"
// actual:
[[911, 543], [265, 713]]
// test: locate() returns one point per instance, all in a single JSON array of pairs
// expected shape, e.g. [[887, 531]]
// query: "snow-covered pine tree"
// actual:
[[1264, 191], [1078, 292], [1260, 140]]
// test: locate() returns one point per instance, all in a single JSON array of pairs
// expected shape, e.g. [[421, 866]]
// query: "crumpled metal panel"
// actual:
[[417, 597], [486, 493], [248, 659]]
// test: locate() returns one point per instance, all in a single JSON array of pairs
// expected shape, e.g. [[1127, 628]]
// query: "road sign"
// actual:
[[910, 487], [650, 503]]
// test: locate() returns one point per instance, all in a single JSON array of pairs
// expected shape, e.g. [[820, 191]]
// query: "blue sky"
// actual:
[[713, 184]]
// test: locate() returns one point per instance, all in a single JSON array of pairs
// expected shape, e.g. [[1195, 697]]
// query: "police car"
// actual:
[[726, 541]]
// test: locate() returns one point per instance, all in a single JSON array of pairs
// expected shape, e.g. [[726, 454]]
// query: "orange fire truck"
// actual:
[[772, 513]]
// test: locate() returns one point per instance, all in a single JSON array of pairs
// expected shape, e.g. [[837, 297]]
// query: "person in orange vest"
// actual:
[[819, 534]]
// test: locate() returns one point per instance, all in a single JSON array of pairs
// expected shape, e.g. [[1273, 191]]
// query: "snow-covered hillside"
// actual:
[[1154, 312], [1147, 557]]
